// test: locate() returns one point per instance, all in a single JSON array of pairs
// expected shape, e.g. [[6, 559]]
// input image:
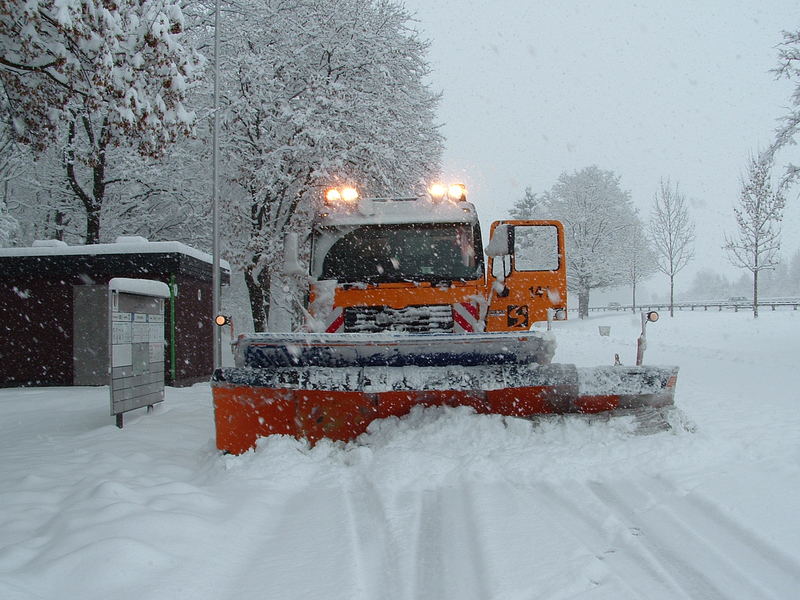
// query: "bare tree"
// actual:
[[756, 245], [671, 232], [640, 260]]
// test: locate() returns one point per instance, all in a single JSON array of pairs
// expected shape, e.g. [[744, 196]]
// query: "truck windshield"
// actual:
[[406, 252]]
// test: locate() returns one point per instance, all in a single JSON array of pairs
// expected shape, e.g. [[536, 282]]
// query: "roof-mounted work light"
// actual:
[[340, 196], [457, 192], [437, 191], [349, 194]]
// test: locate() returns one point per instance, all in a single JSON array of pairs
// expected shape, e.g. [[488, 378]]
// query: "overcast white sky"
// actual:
[[646, 89]]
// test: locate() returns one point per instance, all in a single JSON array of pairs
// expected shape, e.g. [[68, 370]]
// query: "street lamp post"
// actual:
[[215, 277]]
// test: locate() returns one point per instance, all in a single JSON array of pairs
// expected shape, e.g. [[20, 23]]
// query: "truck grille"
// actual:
[[411, 319]]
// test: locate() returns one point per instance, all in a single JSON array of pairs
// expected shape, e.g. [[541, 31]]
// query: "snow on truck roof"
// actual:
[[399, 210], [122, 245]]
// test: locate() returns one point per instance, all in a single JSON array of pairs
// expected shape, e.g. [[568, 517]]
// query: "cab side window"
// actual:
[[536, 248]]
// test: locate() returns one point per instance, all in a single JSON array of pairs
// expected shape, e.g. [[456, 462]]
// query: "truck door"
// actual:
[[527, 274]]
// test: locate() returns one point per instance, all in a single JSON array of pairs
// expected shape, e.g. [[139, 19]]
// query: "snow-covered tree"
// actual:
[[599, 223], [44, 206], [160, 199], [13, 165], [756, 244], [317, 93], [789, 68], [159, 207], [671, 232], [116, 186], [8, 225], [124, 59], [96, 76], [13, 158], [527, 206]]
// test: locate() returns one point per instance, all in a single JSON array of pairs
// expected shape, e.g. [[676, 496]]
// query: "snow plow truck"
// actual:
[[405, 309]]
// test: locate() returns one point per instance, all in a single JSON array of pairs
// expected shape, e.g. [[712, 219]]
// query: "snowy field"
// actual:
[[441, 504]]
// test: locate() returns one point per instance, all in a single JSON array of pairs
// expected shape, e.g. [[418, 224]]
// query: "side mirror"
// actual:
[[500, 244]]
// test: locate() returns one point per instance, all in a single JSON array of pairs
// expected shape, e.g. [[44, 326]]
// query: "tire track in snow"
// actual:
[[703, 567], [637, 574], [344, 519], [376, 550], [411, 545], [778, 573], [622, 540], [450, 563], [430, 547]]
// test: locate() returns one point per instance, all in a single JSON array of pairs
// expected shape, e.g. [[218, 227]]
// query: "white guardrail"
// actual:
[[734, 305]]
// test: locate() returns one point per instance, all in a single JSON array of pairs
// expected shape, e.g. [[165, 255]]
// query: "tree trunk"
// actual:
[[671, 295], [60, 223], [755, 294], [92, 201], [634, 296], [583, 303], [98, 195], [93, 222], [259, 294]]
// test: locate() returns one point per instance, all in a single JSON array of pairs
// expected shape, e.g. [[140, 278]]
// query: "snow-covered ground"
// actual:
[[441, 504]]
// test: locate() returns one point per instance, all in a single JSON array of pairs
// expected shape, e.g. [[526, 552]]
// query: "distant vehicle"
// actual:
[[738, 299], [614, 305]]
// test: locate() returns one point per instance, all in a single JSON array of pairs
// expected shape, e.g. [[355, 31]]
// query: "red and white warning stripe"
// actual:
[[466, 318], [334, 322]]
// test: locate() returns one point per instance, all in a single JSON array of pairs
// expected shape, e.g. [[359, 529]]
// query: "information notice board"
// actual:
[[137, 350]]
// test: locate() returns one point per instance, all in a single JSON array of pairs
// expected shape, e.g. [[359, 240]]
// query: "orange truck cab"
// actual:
[[416, 265]]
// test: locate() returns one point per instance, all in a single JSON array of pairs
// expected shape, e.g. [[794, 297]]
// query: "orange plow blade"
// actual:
[[339, 403]]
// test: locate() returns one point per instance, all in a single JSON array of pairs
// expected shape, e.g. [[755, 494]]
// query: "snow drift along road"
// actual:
[[441, 504]]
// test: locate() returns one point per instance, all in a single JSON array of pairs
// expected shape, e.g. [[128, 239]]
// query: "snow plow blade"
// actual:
[[270, 350], [334, 390]]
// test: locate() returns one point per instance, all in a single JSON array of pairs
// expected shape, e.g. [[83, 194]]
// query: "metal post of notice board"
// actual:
[[136, 344]]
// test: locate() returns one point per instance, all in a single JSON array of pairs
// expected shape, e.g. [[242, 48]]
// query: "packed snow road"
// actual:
[[441, 504]]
